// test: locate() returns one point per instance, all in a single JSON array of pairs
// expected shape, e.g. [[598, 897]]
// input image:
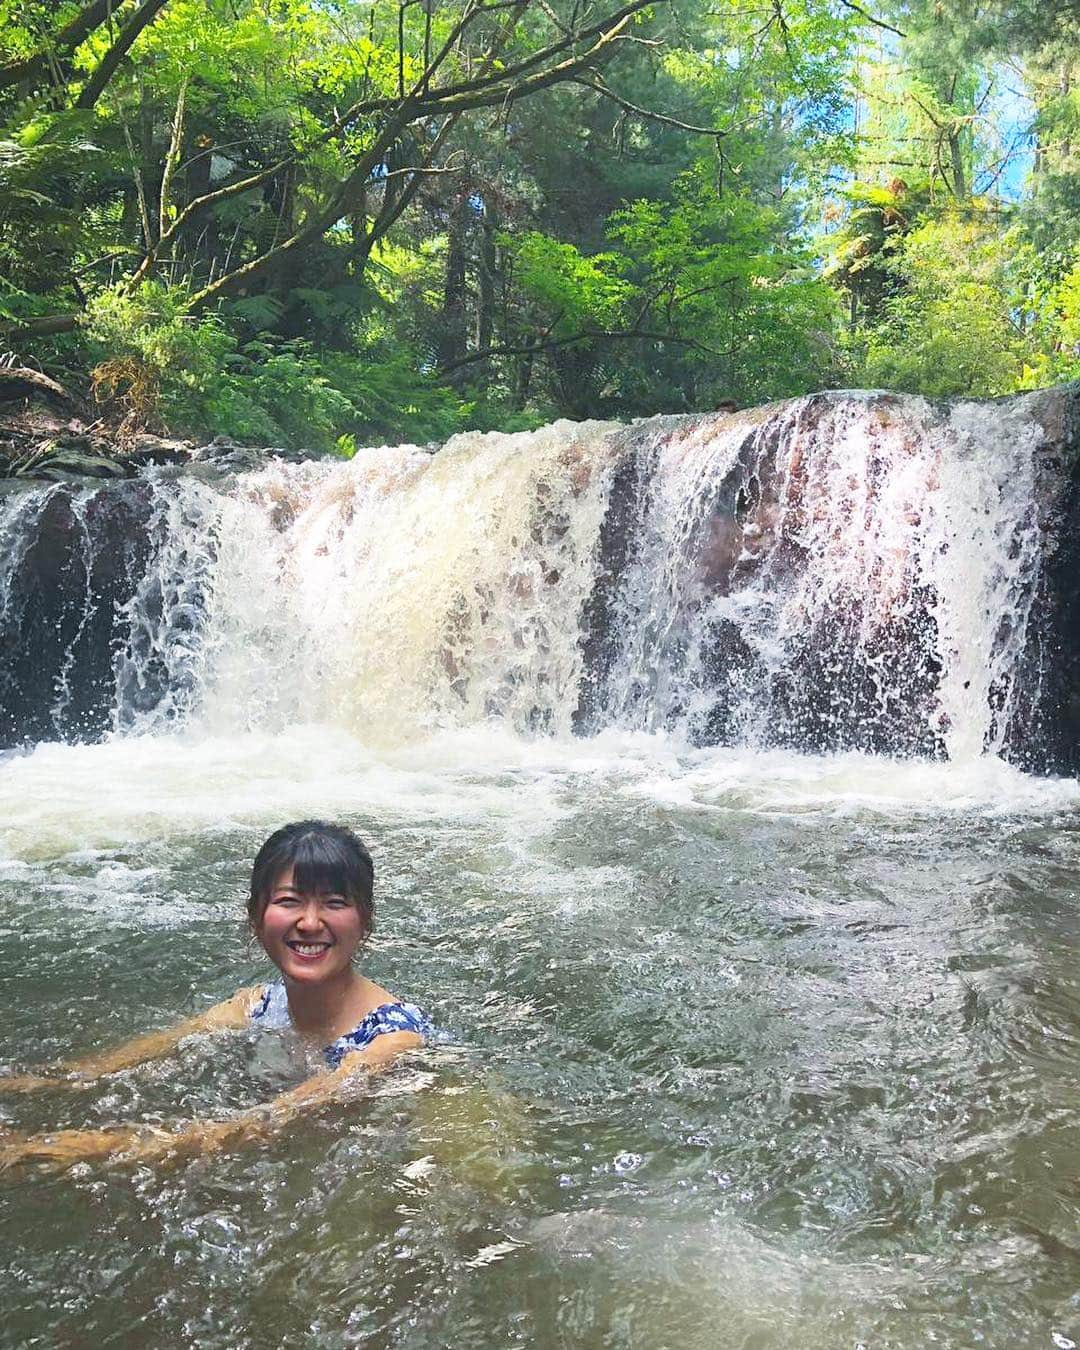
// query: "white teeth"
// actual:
[[309, 948]]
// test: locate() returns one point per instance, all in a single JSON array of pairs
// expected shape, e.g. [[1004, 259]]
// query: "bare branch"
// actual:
[[140, 190], [598, 87], [41, 327], [586, 335], [197, 204], [339, 205], [510, 73], [488, 88], [172, 157], [878, 23], [496, 93], [419, 169]]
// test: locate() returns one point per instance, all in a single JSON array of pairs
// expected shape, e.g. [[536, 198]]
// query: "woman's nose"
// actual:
[[309, 917]]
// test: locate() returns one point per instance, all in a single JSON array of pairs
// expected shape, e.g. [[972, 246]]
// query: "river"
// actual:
[[741, 1046]]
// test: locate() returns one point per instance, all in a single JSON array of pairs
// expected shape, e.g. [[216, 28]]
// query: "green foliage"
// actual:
[[858, 213], [951, 326], [196, 378], [578, 291]]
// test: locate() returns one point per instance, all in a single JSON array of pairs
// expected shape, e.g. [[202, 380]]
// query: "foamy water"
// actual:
[[736, 1038], [61, 799]]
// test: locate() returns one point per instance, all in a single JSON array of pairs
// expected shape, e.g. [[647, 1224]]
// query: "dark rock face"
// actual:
[[68, 560], [1043, 734], [829, 694], [744, 535], [635, 459]]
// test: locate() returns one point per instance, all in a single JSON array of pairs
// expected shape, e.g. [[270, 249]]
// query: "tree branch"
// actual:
[[587, 335], [42, 327], [107, 67], [31, 68], [489, 88], [419, 170], [496, 94], [552, 50], [193, 208], [392, 209], [412, 109], [361, 108], [339, 205], [598, 87], [172, 158], [878, 23]]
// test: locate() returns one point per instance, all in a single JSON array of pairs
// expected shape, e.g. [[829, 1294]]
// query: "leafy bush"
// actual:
[[153, 363], [951, 326], [155, 367]]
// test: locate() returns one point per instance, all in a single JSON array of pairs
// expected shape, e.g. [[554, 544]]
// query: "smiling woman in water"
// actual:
[[311, 907]]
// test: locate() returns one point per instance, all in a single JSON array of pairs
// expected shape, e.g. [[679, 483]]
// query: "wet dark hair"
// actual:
[[324, 858]]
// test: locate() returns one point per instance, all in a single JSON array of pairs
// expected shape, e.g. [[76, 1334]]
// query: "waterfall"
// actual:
[[839, 571]]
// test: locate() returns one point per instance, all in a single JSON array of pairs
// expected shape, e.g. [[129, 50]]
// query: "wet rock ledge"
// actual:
[[74, 454], [47, 436]]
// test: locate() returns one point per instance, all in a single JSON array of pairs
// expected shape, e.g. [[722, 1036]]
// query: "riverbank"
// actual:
[[48, 434]]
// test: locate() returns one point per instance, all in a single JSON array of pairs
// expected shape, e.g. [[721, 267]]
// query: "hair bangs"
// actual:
[[323, 867]]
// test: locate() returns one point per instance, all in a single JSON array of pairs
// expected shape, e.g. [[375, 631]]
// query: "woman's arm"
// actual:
[[233, 1013], [63, 1148]]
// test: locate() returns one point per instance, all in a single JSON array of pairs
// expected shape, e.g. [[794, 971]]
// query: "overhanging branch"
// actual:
[[598, 87], [586, 335], [33, 68], [870, 18]]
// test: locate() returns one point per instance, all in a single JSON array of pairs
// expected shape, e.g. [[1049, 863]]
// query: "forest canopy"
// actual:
[[331, 222]]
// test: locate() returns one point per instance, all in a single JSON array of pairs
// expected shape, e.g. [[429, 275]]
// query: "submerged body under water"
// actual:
[[747, 1049]]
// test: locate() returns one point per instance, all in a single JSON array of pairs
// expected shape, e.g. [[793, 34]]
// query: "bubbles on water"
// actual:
[[402, 592], [787, 1034]]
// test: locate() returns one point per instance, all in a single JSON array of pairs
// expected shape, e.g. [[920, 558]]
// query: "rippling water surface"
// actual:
[[743, 1050]]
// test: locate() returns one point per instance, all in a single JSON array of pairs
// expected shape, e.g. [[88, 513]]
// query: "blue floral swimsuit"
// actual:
[[272, 1012]]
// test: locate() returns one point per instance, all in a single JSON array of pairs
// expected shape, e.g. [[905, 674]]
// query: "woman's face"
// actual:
[[310, 938]]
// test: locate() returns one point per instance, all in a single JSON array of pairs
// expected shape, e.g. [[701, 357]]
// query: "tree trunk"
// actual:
[[956, 158], [523, 384], [285, 275], [201, 248], [453, 328], [486, 274]]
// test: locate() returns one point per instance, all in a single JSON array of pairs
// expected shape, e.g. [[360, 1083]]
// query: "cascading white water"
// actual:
[[402, 591], [983, 553], [841, 572], [160, 662], [834, 544]]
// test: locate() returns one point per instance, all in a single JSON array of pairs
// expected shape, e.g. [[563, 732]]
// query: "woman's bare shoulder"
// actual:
[[233, 1012]]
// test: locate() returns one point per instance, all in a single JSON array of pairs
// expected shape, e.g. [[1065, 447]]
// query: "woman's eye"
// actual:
[[336, 902], [287, 900]]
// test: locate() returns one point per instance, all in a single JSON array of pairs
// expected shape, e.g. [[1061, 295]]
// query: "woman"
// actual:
[[311, 907]]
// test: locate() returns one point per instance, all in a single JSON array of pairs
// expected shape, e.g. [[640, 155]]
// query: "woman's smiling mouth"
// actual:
[[309, 950]]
